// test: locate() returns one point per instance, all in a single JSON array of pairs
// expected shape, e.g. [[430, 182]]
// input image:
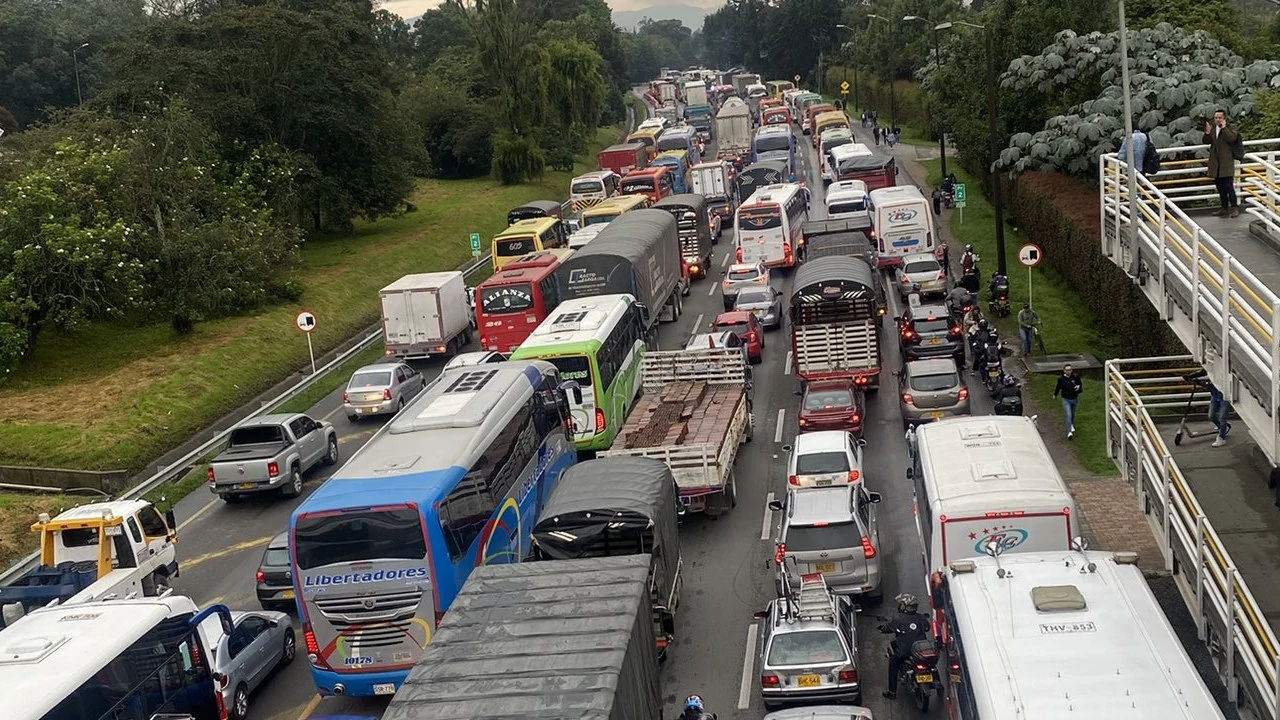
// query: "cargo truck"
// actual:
[[425, 315], [694, 414], [742, 81], [835, 321], [697, 108], [623, 158], [714, 181], [693, 220], [733, 131], [758, 175], [637, 254], [553, 639]]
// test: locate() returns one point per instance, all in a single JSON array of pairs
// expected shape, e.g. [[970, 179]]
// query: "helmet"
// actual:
[[968, 248], [982, 324], [1010, 381], [693, 702], [907, 603]]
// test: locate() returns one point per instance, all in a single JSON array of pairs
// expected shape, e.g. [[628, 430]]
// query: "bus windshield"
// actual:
[[599, 219], [516, 246], [586, 187], [675, 142], [773, 142], [846, 206], [760, 218], [347, 537], [637, 185], [573, 367], [506, 299]]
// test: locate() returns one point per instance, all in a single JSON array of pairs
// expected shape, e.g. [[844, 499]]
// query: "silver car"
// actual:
[[380, 389], [763, 302], [242, 661], [921, 269], [810, 649], [832, 531], [931, 390], [742, 275], [822, 712]]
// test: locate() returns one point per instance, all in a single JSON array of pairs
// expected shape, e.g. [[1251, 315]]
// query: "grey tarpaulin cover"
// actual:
[[833, 286], [633, 498], [638, 253], [863, 163], [563, 639]]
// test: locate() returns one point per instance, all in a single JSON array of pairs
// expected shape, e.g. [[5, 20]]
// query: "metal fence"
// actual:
[[1228, 618]]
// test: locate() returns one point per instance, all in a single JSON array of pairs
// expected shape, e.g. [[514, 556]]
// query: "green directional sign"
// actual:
[[961, 194], [475, 244]]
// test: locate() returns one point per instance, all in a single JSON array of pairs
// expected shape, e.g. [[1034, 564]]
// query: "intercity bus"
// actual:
[[606, 211], [596, 342], [456, 480], [775, 142], [526, 237], [769, 225], [513, 301]]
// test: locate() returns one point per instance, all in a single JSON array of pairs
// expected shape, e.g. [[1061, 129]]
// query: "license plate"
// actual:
[[384, 689], [245, 486], [934, 341], [826, 567], [924, 678], [808, 681], [936, 415], [286, 595], [823, 482]]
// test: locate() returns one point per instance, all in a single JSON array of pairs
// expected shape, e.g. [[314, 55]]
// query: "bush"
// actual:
[[516, 159], [1061, 214]]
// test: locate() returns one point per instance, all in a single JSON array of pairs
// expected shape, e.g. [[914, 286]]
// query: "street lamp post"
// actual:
[[937, 62], [853, 58], [75, 62], [993, 128], [893, 96]]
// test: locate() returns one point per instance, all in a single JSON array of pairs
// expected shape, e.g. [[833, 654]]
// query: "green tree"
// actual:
[[441, 30]]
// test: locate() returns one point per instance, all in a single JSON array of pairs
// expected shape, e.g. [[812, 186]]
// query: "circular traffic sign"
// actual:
[[306, 321], [797, 78], [1030, 255]]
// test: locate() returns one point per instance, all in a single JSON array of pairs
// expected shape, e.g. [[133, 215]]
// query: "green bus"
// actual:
[[596, 342]]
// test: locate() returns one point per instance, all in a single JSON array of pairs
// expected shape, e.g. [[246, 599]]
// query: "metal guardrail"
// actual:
[[1228, 618]]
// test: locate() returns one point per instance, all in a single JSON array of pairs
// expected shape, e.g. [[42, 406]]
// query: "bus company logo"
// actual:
[[902, 215], [758, 222], [1001, 539], [504, 527], [313, 581]]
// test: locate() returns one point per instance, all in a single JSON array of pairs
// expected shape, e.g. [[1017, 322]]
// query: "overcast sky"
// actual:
[[414, 8]]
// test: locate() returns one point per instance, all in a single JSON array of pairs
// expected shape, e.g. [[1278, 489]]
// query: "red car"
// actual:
[[747, 328], [832, 405]]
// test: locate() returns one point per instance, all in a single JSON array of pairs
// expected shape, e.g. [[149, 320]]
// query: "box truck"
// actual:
[[425, 315]]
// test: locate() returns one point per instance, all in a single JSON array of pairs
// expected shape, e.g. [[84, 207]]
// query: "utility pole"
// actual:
[[75, 62], [937, 63]]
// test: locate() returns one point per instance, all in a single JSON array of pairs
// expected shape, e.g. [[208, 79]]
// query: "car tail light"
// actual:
[[260, 576], [964, 393], [956, 331], [854, 475], [855, 418], [868, 550], [793, 480], [752, 336], [802, 422], [942, 275], [273, 469], [905, 280], [737, 255], [779, 553], [848, 676], [907, 399], [386, 393], [769, 681], [389, 352], [209, 474], [222, 680], [346, 396], [786, 250], [909, 335], [599, 421]]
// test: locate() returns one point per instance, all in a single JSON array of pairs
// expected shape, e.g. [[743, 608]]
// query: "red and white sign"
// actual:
[[1030, 255], [306, 321]]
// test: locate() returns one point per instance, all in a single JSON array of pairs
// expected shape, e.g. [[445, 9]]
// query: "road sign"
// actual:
[[961, 194], [845, 86], [796, 78], [475, 244], [1030, 255], [305, 321]]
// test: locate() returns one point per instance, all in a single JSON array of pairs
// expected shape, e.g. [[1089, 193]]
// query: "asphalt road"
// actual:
[[726, 576]]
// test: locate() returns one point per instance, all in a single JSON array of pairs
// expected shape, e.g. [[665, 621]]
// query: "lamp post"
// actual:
[[75, 62], [937, 62], [893, 96], [993, 128], [853, 49]]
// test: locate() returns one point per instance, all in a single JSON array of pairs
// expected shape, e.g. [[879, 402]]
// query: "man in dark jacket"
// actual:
[[1220, 136], [1068, 388]]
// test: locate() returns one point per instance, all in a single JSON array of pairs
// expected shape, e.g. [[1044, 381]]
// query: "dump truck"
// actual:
[[552, 639], [835, 322], [694, 414]]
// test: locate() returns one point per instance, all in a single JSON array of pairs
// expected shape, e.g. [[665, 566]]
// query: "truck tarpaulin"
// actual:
[[833, 288], [876, 170], [637, 254], [757, 175], [560, 639]]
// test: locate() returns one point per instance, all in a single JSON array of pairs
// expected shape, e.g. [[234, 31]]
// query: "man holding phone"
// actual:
[[1221, 139]]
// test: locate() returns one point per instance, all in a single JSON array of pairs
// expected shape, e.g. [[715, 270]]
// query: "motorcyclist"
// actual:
[[694, 709], [949, 184], [1009, 388], [999, 285], [982, 336], [909, 627], [958, 299]]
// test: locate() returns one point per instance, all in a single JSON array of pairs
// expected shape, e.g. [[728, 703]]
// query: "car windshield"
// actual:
[[747, 297], [370, 379], [920, 266], [931, 326], [833, 536], [585, 187], [743, 274], [734, 327], [807, 647], [822, 463], [828, 399], [276, 557], [934, 383]]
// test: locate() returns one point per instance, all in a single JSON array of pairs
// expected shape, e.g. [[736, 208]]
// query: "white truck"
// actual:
[[693, 415], [733, 129], [425, 315], [96, 552], [714, 181], [695, 93]]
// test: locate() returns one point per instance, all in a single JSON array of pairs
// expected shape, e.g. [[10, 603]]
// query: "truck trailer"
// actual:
[[733, 130], [835, 321], [425, 315]]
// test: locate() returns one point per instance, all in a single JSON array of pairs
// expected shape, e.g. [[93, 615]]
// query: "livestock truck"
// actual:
[[694, 414], [551, 639], [637, 254], [425, 315], [835, 321]]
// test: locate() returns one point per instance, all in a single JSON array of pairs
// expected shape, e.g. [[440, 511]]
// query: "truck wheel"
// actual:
[[731, 493], [331, 457], [294, 488], [159, 582]]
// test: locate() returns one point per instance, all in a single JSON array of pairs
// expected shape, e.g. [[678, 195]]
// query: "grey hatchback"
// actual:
[[932, 390], [764, 302], [274, 579]]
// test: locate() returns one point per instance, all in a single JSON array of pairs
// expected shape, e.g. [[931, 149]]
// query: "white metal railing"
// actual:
[[1228, 618], [1220, 310]]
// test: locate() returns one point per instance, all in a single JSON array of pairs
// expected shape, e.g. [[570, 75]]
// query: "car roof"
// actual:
[[925, 311], [758, 289], [733, 316], [821, 441], [743, 267], [829, 384], [378, 367], [810, 506], [919, 257], [931, 366]]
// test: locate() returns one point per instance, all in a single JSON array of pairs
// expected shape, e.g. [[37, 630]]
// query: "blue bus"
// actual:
[[775, 142], [456, 480]]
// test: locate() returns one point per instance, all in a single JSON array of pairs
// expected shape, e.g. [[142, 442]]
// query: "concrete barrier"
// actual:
[[108, 481]]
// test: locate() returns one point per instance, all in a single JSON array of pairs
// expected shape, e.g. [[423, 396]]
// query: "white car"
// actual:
[[480, 357], [921, 269], [742, 275], [824, 459], [653, 122]]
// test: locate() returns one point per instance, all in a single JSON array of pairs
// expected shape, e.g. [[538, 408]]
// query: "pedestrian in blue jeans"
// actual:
[[1027, 321], [1218, 415], [1068, 388]]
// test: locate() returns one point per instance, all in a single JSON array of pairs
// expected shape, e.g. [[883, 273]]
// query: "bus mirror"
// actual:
[[911, 474], [874, 497], [572, 390], [1079, 544]]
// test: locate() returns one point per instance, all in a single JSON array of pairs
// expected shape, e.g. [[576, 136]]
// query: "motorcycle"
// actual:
[[948, 199], [960, 311], [918, 675], [1008, 397], [999, 303], [992, 367]]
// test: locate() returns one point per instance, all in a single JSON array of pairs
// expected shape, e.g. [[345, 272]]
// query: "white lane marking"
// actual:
[[748, 667], [196, 515], [777, 433], [725, 262], [697, 325], [711, 290], [790, 357], [767, 524]]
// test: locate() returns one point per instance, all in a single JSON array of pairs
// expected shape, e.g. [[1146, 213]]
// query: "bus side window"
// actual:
[[550, 293]]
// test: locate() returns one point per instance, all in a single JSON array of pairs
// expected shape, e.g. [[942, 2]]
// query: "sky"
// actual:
[[414, 8]]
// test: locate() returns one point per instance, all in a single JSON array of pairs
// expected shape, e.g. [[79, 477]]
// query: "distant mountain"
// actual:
[[690, 16]]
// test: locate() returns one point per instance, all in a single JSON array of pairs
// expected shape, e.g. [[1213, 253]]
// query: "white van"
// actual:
[[986, 484], [589, 189], [903, 221], [847, 199]]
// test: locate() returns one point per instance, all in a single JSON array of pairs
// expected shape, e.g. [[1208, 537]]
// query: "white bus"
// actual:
[[847, 199], [131, 659], [769, 225], [903, 220], [1062, 636], [986, 483]]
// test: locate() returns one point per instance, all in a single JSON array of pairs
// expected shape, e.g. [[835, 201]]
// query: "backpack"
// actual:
[[1237, 148], [1150, 159]]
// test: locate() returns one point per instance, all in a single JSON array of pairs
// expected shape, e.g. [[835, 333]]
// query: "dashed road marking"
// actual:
[[748, 668], [782, 418], [767, 524]]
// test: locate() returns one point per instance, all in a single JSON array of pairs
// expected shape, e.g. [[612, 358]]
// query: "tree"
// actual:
[[8, 123], [1178, 80]]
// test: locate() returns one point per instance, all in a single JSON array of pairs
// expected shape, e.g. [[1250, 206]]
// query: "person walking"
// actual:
[[1140, 144], [875, 132], [937, 201], [1218, 408], [1027, 322], [1221, 138], [1069, 388]]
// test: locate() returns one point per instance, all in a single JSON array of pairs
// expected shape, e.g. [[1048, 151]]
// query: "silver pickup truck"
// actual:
[[271, 453]]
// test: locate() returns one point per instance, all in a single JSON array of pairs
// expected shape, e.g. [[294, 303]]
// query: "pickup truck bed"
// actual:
[[259, 451]]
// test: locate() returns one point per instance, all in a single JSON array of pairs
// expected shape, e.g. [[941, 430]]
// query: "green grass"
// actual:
[[118, 396], [1064, 323]]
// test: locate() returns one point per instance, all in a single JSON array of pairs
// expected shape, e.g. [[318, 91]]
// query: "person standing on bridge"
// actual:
[[1218, 409], [1224, 144]]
